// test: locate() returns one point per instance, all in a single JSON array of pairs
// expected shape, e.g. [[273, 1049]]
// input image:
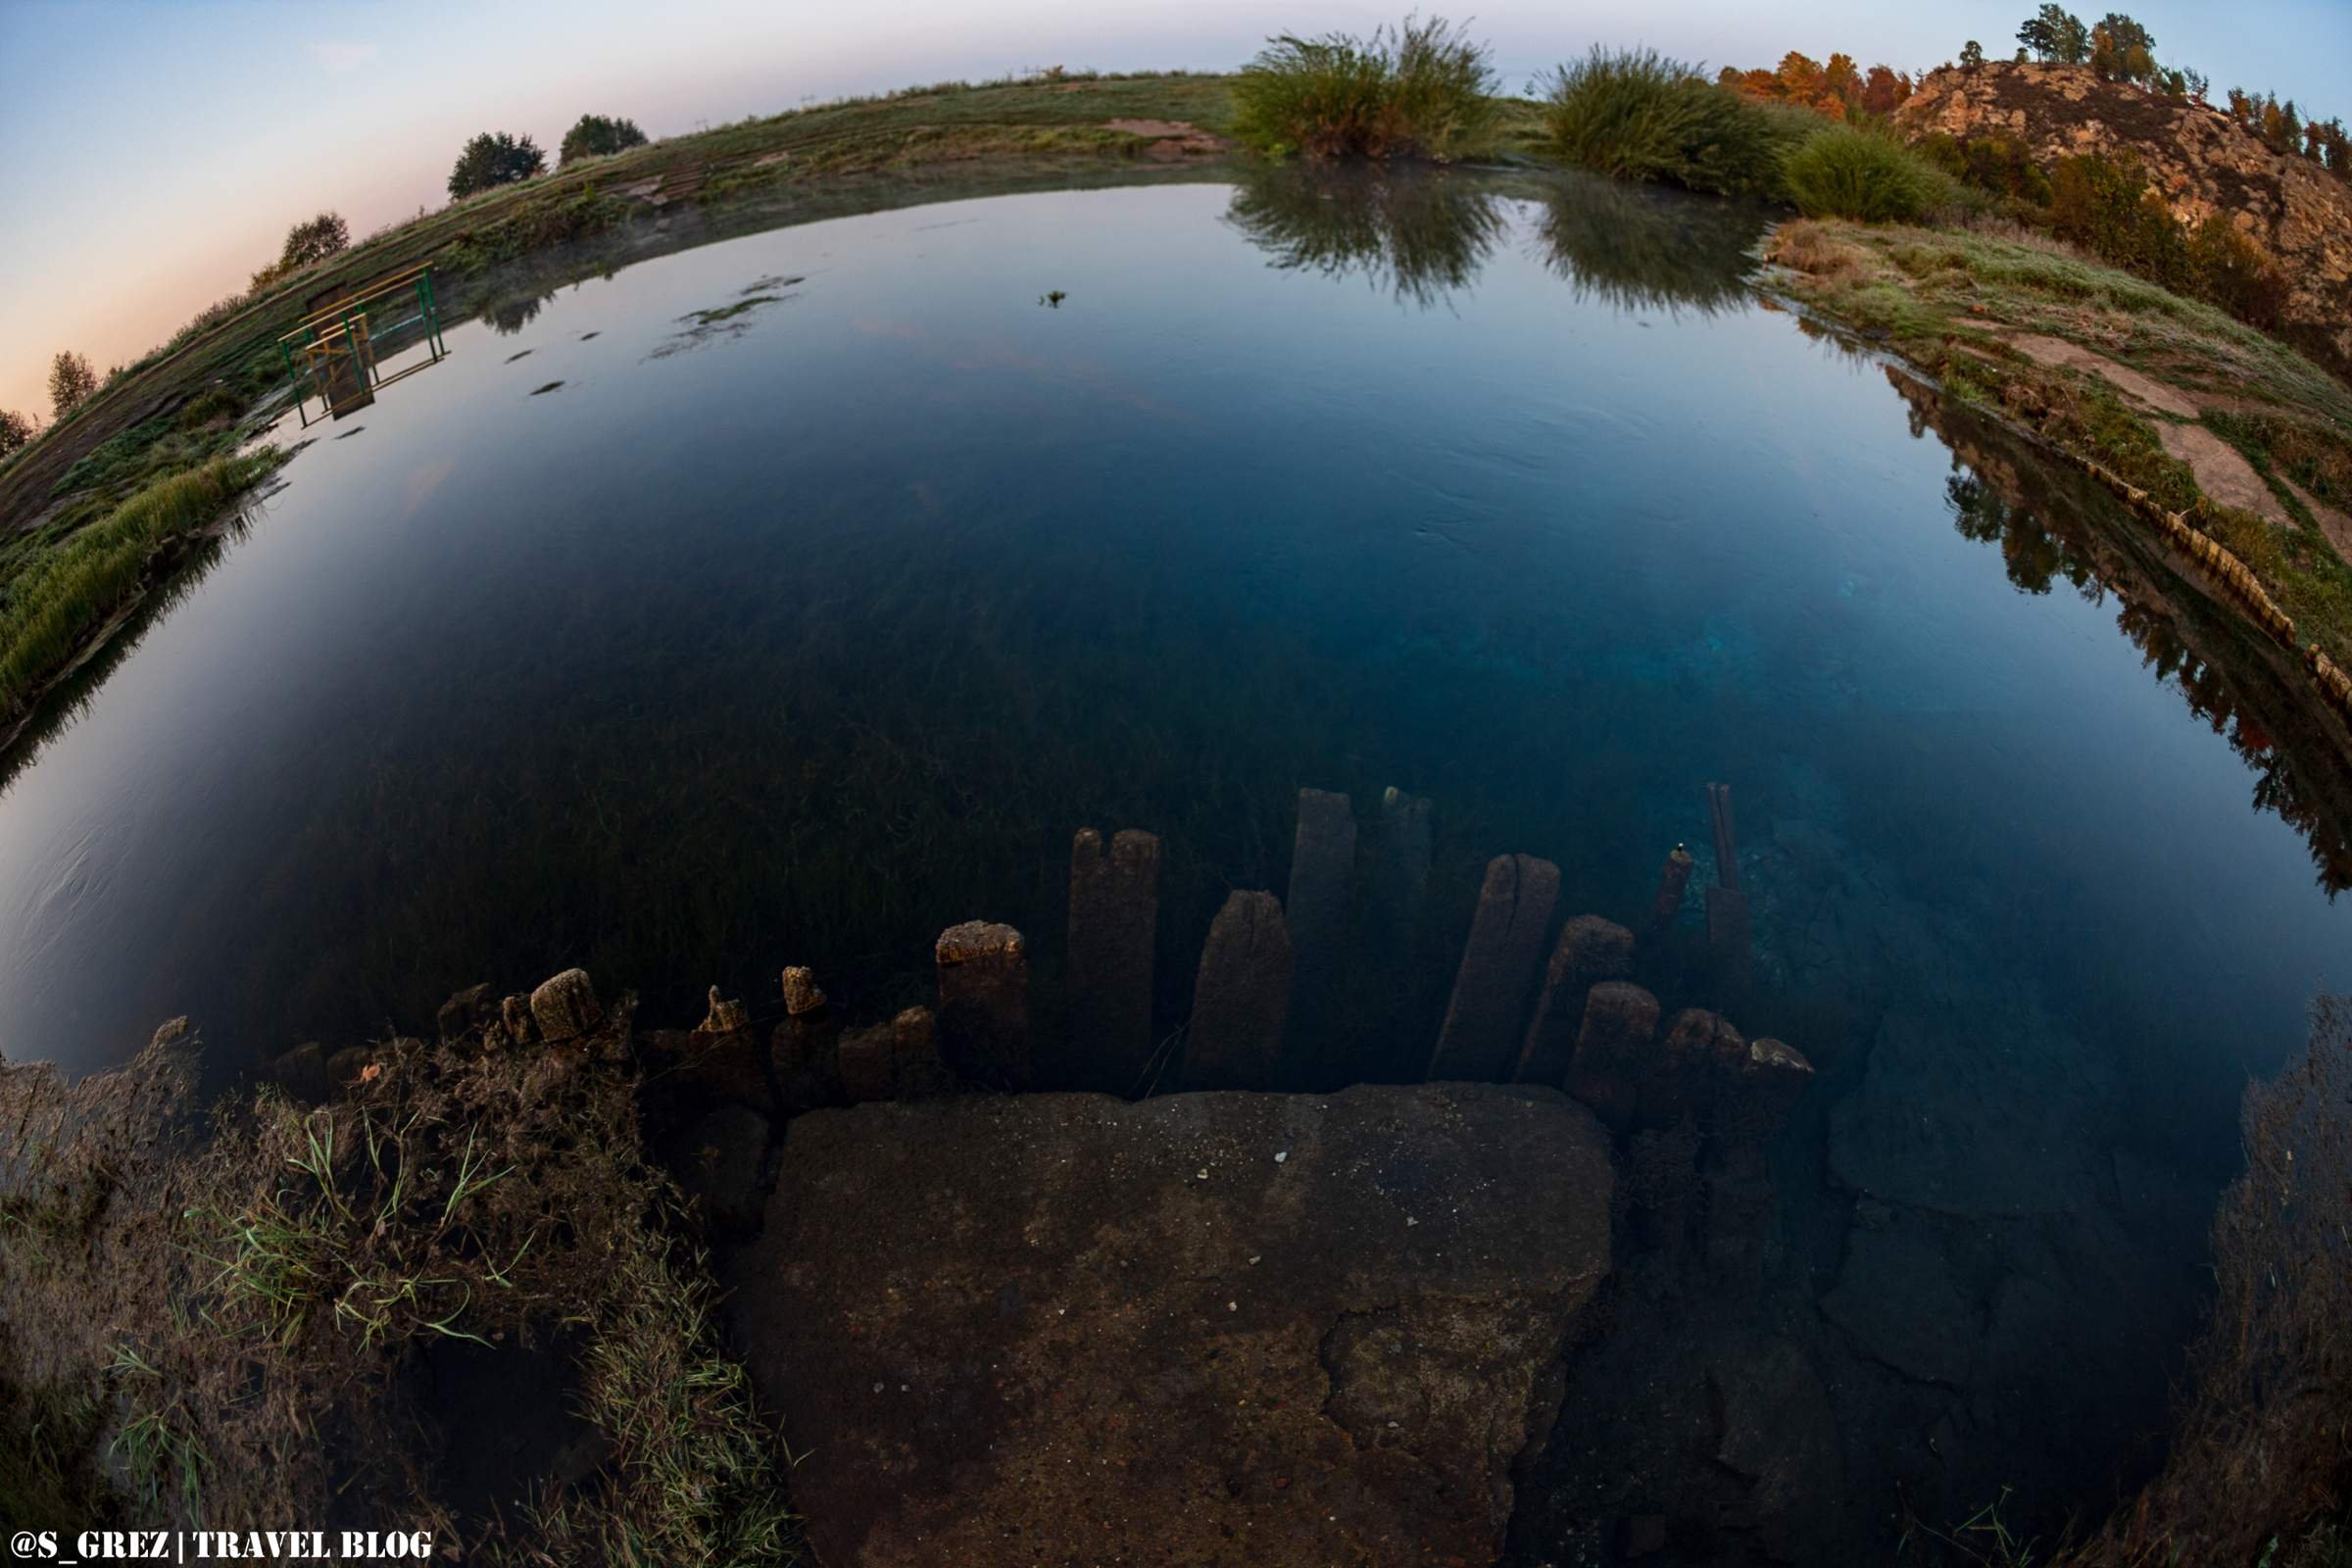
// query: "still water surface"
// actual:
[[685, 651]]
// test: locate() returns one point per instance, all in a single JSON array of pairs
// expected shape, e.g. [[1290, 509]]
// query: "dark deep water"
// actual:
[[799, 636]]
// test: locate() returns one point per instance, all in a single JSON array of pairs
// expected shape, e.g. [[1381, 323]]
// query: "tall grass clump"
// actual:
[[55, 605], [1634, 114], [1422, 89], [1843, 171]]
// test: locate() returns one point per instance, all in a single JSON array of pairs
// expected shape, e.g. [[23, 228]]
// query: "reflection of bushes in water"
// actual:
[[510, 315], [1419, 233], [2260, 1457], [1638, 248], [2042, 524]]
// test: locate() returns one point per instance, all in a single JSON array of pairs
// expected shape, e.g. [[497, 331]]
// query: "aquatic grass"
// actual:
[[1421, 89], [1844, 171], [52, 609], [1635, 114]]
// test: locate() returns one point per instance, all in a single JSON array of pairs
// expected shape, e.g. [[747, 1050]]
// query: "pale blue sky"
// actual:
[[160, 151]]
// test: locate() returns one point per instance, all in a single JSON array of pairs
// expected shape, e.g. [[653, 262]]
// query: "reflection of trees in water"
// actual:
[[1423, 233], [1638, 247], [2048, 528], [1420, 233]]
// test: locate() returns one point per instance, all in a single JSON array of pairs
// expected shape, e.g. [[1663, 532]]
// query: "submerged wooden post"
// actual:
[[1399, 982], [1672, 880], [1590, 950], [1727, 906], [1481, 1036], [1114, 920], [984, 1004], [1699, 1053], [1241, 997], [1315, 913], [1613, 1051]]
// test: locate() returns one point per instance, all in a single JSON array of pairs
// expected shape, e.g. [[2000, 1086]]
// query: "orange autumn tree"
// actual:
[[1838, 91]]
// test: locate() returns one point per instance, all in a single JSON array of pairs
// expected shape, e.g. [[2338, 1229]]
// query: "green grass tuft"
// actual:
[[1634, 114], [53, 607], [1420, 90], [1843, 172]]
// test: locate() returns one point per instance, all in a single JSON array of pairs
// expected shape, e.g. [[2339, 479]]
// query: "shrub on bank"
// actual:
[[1861, 175], [2106, 206], [1634, 114], [1420, 90]]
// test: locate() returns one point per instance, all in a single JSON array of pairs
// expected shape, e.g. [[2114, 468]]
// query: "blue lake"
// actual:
[[797, 636]]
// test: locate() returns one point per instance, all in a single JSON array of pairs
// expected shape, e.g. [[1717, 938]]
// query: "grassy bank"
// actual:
[[2119, 372], [262, 1312], [66, 594]]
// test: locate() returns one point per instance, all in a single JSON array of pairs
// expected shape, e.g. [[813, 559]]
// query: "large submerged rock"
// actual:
[[1210, 1328]]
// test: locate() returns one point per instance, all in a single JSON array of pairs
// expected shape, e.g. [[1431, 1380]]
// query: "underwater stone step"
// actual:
[[1241, 999], [1481, 1033], [984, 1004], [1590, 950], [1613, 1050], [1114, 920]]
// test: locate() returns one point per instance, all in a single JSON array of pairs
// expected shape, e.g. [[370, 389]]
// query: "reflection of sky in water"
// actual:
[[804, 644]]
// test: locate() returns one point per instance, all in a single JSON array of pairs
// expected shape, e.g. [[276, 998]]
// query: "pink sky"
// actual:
[[160, 152]]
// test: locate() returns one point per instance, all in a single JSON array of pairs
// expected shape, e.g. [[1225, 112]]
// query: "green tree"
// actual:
[[2056, 34], [1972, 55], [16, 430], [71, 379], [2122, 50], [495, 158], [594, 135], [314, 241]]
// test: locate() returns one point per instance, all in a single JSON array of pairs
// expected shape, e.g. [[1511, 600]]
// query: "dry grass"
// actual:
[[1808, 247]]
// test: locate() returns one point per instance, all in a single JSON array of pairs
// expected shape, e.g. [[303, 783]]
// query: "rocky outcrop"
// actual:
[[1205, 1328], [2197, 156]]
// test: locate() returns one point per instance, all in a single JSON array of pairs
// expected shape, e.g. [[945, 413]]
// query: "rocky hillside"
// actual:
[[2195, 155]]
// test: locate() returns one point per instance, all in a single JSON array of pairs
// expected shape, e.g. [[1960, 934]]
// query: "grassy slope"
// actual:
[[1943, 299]]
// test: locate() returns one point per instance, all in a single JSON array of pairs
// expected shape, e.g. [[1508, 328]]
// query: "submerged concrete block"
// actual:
[[1481, 1037], [1590, 950], [1614, 1051], [1114, 922], [984, 1004], [1241, 997]]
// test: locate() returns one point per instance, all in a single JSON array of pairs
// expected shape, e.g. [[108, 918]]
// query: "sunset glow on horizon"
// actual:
[[164, 150]]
